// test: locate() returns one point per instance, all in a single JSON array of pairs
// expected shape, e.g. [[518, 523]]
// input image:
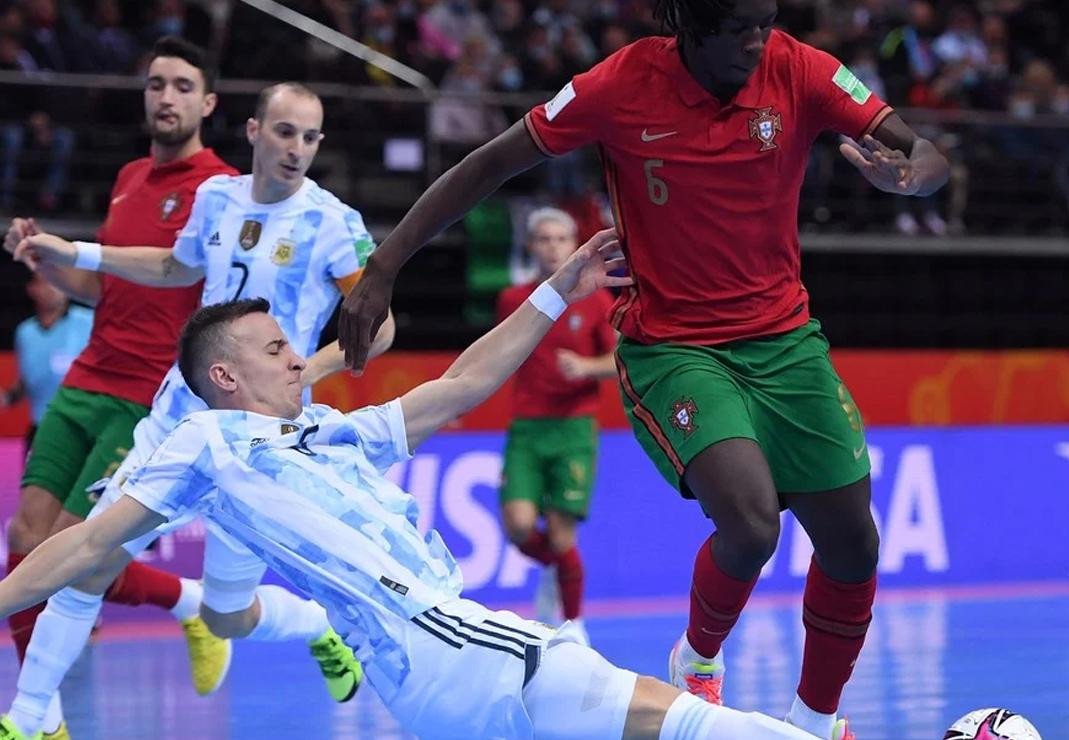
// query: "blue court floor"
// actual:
[[928, 660]]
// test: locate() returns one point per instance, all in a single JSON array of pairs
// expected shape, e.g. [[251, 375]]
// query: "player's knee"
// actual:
[[519, 530], [229, 625], [752, 542], [24, 534], [561, 533], [853, 554]]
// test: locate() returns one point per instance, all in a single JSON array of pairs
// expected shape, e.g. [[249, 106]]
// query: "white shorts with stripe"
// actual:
[[477, 673]]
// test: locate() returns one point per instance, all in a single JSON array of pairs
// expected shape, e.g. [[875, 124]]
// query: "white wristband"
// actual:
[[548, 301], [87, 255]]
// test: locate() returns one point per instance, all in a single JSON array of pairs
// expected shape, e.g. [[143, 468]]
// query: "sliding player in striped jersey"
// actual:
[[273, 234], [304, 487]]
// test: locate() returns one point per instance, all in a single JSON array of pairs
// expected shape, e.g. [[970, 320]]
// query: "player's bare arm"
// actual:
[[330, 358], [153, 266], [882, 160], [73, 553], [485, 365], [450, 197], [80, 285]]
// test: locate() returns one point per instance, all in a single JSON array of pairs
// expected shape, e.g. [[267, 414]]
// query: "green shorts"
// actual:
[[82, 438], [780, 391], [550, 462]]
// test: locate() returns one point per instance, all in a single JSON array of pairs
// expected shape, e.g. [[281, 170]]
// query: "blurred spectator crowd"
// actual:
[[992, 55]]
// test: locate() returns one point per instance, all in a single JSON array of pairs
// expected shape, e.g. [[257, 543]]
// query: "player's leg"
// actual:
[[522, 489], [559, 702], [60, 635], [816, 445], [236, 605], [570, 481], [839, 592], [56, 457], [689, 413]]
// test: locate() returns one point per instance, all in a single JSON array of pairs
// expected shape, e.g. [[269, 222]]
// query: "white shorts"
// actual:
[[475, 673]]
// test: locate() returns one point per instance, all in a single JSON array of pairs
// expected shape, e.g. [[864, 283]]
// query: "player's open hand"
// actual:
[[19, 229], [362, 313], [888, 169], [587, 270], [48, 249]]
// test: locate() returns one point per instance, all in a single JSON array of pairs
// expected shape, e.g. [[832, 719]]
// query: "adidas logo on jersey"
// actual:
[[215, 241]]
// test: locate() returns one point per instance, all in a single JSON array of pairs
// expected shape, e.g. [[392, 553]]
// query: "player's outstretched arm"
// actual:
[[451, 196], [484, 366], [155, 266], [882, 160], [73, 553], [81, 285], [330, 359]]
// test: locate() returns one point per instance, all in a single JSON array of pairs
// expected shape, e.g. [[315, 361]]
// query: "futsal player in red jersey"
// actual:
[[88, 427], [704, 138], [551, 447]]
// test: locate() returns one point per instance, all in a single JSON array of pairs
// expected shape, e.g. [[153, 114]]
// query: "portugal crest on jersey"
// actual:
[[764, 126], [169, 205], [683, 412], [283, 252], [250, 234]]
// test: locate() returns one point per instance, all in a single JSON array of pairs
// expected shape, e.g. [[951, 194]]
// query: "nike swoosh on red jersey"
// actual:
[[653, 137]]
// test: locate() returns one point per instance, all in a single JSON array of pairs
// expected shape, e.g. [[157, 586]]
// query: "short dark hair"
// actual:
[[268, 92], [176, 46], [689, 20], [203, 337]]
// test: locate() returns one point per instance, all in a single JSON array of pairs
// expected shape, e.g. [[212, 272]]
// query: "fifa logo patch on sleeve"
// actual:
[[560, 100], [848, 82]]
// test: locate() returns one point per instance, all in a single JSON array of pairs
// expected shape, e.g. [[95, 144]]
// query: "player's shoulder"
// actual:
[[784, 49], [208, 162], [331, 206], [223, 183], [640, 54], [133, 168]]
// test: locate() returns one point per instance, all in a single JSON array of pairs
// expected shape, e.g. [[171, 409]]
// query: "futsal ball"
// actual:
[[992, 724]]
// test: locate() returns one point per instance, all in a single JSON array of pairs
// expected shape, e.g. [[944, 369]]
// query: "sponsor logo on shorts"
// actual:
[[683, 412]]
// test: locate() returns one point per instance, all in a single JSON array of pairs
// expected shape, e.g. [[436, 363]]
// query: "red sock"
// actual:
[[716, 600], [21, 623], [142, 584], [537, 547], [570, 579], [836, 617]]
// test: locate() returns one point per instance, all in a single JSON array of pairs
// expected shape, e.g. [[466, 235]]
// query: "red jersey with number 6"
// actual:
[[705, 194]]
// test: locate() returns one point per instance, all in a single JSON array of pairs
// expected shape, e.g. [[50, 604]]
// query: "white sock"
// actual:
[[60, 635], [189, 599], [53, 715], [690, 718], [818, 723], [286, 616]]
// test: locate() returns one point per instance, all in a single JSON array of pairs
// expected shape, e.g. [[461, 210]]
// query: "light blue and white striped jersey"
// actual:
[[292, 253], [309, 496]]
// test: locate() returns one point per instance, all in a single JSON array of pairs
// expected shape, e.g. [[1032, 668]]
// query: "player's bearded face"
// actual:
[[175, 101]]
